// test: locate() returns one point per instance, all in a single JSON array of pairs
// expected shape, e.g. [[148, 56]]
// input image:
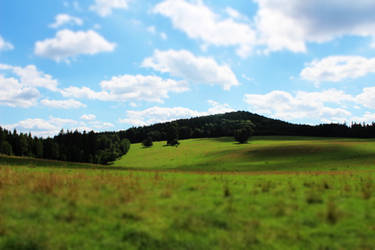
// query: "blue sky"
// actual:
[[112, 64]]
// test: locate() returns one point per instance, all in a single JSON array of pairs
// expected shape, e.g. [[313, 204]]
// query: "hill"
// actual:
[[106, 147], [260, 154], [220, 125]]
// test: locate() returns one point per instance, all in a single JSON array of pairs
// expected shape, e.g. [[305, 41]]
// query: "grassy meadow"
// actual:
[[259, 154], [320, 197]]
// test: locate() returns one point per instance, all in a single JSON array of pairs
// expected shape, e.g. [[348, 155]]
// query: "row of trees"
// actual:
[[171, 132], [226, 125], [66, 146]]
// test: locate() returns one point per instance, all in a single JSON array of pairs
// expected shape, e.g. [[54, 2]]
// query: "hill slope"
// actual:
[[260, 154]]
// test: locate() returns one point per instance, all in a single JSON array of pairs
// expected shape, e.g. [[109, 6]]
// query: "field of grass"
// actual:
[[51, 208], [320, 197], [260, 154]]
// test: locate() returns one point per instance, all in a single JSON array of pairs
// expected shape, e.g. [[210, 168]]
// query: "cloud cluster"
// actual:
[[64, 19], [290, 24], [325, 106], [53, 125], [338, 68], [126, 88], [302, 105], [21, 89], [67, 44], [194, 69], [104, 7], [163, 114], [199, 22], [277, 24]]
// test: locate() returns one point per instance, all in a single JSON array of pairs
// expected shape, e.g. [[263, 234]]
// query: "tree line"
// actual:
[[105, 147], [66, 146], [229, 123]]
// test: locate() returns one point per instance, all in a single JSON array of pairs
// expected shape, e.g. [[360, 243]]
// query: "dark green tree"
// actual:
[[172, 134], [6, 148], [147, 142], [242, 135]]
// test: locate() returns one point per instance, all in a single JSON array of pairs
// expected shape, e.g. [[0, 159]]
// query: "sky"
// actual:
[[108, 65]]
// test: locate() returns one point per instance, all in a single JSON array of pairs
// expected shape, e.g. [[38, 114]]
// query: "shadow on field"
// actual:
[[34, 163], [289, 157]]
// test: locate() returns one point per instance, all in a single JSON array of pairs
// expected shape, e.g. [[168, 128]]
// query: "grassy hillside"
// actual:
[[260, 154]]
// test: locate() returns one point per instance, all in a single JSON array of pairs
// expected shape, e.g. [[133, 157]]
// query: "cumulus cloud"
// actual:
[[14, 94], [30, 76], [63, 104], [302, 105], [65, 19], [53, 125], [325, 106], [104, 7], [4, 45], [290, 24], [160, 114], [126, 88], [67, 44], [367, 98], [19, 86], [201, 23], [338, 68], [184, 64]]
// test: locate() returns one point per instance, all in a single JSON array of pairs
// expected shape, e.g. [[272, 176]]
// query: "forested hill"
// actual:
[[105, 147], [224, 125]]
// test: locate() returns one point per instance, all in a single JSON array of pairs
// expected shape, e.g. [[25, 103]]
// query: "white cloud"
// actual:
[[338, 68], [88, 117], [53, 125], [21, 88], [367, 97], [367, 117], [104, 7], [14, 94], [199, 22], [64, 19], [67, 44], [41, 127], [290, 24], [4, 45], [64, 104], [125, 88], [159, 114], [30, 76], [302, 105], [218, 108], [184, 64]]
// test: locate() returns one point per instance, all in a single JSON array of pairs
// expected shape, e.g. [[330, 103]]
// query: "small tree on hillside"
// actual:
[[172, 135], [242, 135], [147, 142]]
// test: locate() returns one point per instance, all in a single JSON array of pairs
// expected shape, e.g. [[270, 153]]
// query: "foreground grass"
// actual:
[[260, 154], [43, 208]]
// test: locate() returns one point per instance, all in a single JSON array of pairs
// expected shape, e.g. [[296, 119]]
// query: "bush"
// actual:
[[173, 142], [147, 142], [242, 135]]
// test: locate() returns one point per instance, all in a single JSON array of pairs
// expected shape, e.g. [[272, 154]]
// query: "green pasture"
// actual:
[[259, 154], [52, 208]]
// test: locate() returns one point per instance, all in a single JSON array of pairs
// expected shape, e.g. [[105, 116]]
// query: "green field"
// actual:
[[321, 197], [260, 154]]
